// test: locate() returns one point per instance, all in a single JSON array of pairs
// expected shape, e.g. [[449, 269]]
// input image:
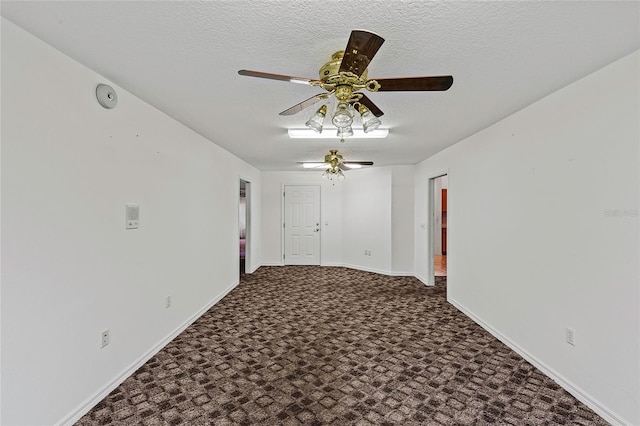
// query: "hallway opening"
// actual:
[[439, 206]]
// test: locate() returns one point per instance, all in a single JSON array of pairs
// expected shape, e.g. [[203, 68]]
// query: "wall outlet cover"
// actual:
[[571, 337], [105, 338]]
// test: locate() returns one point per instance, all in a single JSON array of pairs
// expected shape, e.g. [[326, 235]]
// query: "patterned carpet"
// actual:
[[304, 345]]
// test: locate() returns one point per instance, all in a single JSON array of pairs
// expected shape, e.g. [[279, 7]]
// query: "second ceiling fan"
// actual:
[[345, 76], [335, 163]]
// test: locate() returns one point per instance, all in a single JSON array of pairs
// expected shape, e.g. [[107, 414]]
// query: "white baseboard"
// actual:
[[424, 280], [331, 264], [271, 264], [359, 268], [92, 401], [377, 271], [562, 381], [400, 274]]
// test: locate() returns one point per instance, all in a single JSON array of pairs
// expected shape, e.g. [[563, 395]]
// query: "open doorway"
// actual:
[[440, 233], [243, 224], [439, 206]]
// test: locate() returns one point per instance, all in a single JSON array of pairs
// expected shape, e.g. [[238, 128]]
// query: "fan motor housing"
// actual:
[[332, 67]]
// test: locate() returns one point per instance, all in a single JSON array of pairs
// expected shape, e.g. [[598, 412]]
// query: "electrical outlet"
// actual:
[[571, 338], [167, 302], [105, 338]]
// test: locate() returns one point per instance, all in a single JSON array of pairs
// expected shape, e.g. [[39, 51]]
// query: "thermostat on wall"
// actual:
[[133, 216]]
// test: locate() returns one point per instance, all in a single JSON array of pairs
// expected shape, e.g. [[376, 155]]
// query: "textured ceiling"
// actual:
[[183, 58]]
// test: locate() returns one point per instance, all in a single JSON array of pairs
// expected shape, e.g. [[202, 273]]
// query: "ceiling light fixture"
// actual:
[[334, 165], [348, 103], [345, 77], [333, 173], [357, 134]]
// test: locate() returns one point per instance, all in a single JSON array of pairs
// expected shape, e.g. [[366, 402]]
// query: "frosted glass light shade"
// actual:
[[315, 122], [345, 132], [369, 121], [332, 174], [343, 116]]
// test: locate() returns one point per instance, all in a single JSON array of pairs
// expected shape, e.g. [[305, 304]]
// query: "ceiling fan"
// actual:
[[345, 76], [335, 164]]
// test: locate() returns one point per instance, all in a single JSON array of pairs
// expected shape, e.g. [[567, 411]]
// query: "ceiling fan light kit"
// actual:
[[343, 119], [344, 77], [332, 174]]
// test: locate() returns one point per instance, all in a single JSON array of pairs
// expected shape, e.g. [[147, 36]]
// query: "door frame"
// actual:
[[247, 238], [283, 213], [432, 234]]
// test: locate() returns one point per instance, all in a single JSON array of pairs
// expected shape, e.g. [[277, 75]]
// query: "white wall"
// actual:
[[361, 213], [544, 234], [69, 268], [366, 219], [402, 219]]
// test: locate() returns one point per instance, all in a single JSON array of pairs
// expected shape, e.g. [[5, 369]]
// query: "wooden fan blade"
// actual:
[[361, 163], [271, 76], [415, 83], [369, 104], [361, 48], [304, 104]]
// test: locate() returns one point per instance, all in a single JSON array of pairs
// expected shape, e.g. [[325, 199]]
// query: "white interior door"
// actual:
[[302, 225]]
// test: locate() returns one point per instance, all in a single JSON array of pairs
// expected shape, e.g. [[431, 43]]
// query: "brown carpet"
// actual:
[[304, 345]]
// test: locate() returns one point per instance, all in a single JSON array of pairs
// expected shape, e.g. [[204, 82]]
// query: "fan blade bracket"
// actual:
[[364, 100], [372, 85]]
